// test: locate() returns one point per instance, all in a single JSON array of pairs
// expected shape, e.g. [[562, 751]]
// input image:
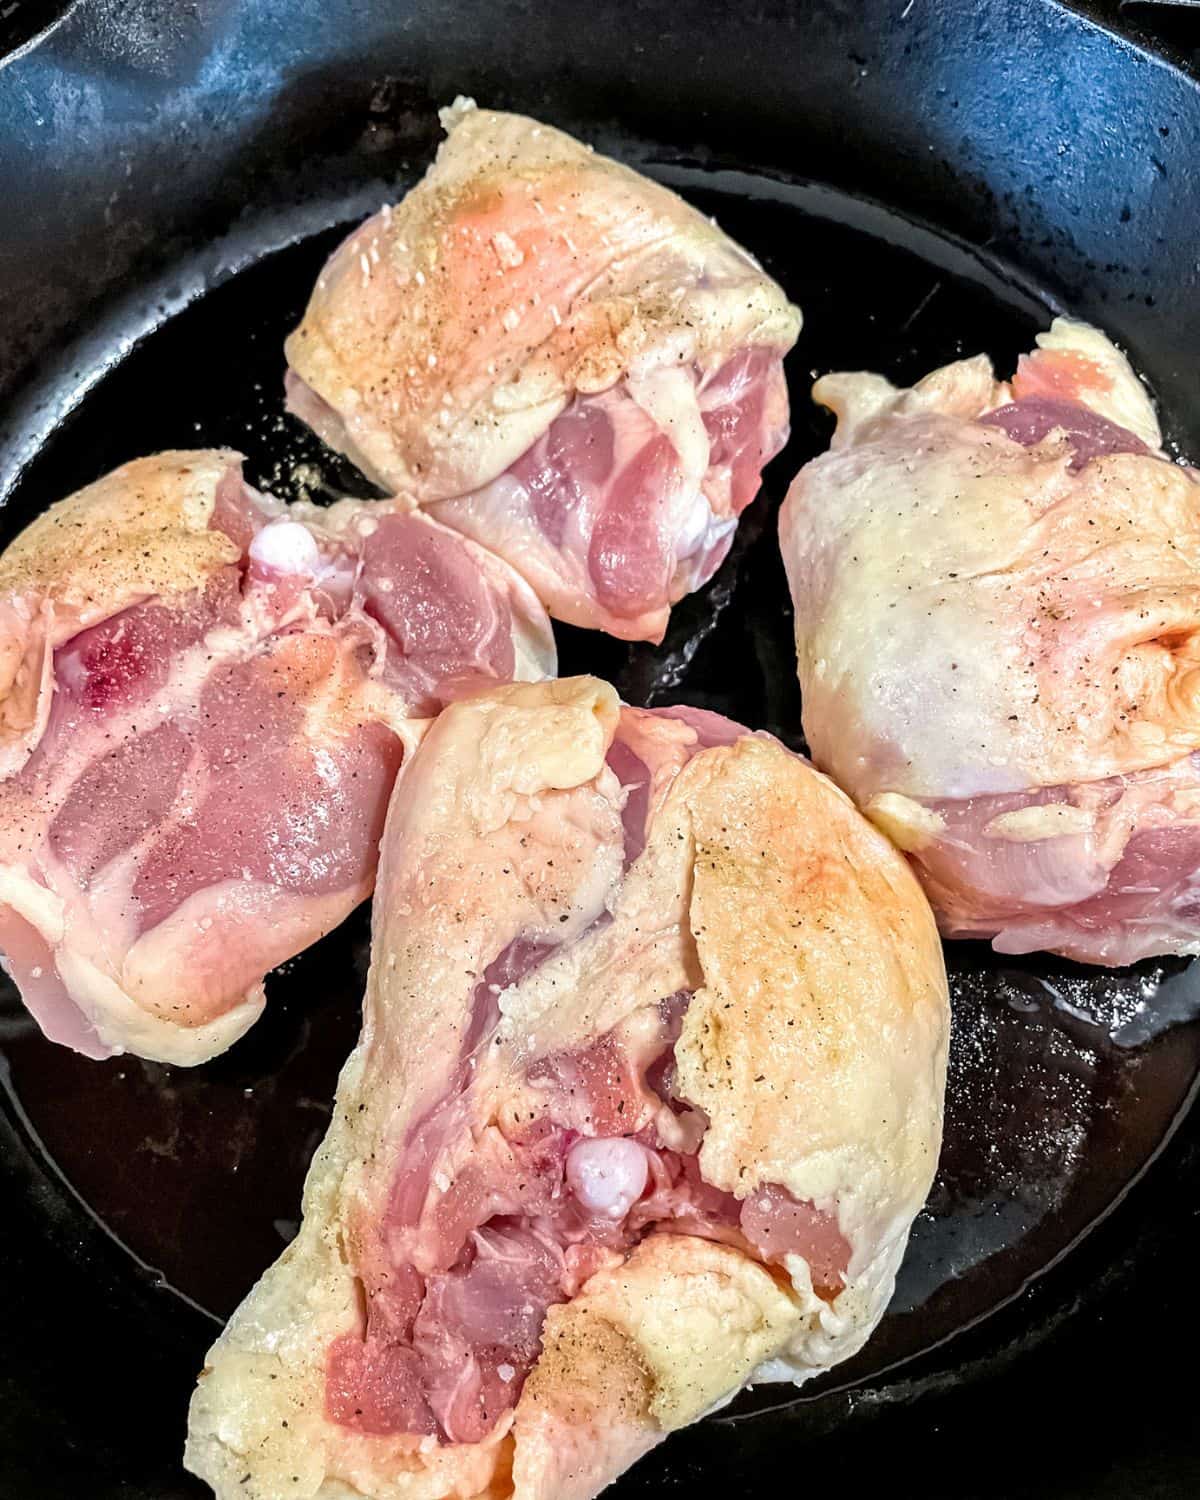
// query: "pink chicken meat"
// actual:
[[204, 702], [647, 1096], [560, 359], [997, 591]]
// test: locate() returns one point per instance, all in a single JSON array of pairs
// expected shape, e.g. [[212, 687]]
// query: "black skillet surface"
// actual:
[[192, 177]]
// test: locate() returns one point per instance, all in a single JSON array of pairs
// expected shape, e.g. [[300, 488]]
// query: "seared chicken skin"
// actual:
[[997, 591], [648, 1093], [557, 357], [204, 700]]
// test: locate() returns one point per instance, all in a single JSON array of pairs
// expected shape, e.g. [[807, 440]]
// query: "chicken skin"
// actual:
[[997, 592], [648, 1093], [557, 357], [204, 701]]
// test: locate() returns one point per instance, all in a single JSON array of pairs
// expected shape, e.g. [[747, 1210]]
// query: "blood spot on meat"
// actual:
[[127, 657]]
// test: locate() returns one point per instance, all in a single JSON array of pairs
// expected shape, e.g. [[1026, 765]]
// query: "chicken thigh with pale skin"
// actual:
[[648, 1093], [204, 700], [997, 592], [559, 358]]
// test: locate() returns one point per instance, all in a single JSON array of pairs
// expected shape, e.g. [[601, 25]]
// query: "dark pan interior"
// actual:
[[193, 172]]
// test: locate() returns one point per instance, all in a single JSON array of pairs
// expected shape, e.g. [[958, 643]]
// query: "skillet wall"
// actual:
[[139, 128], [137, 133]]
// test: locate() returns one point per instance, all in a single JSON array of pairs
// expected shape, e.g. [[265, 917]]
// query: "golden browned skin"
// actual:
[[141, 530], [642, 1352], [813, 943], [449, 331]]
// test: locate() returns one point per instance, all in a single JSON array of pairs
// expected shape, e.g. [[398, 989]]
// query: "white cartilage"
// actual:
[[607, 1174]]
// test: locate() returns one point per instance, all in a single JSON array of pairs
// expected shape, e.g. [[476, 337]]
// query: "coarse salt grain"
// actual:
[[508, 252]]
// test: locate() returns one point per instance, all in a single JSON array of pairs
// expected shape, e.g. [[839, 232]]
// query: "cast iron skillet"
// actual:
[[926, 179]]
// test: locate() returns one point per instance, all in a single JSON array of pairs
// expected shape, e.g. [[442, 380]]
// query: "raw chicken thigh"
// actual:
[[203, 705], [997, 591], [648, 1093], [559, 358]]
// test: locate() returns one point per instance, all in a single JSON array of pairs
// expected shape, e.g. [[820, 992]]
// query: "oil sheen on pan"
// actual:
[[1064, 1082]]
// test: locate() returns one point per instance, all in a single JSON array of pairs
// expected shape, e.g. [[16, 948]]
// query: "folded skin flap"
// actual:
[[621, 1129]]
